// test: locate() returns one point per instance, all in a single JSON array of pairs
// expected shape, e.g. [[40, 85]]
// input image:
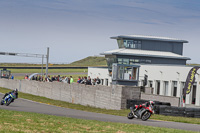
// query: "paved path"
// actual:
[[30, 106]]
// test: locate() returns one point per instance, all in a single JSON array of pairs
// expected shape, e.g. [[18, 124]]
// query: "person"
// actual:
[[13, 91], [84, 80], [146, 104], [12, 77], [94, 81], [26, 76], [98, 80], [71, 80], [79, 80], [89, 82]]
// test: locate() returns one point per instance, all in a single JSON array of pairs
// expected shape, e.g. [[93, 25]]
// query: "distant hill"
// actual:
[[90, 61]]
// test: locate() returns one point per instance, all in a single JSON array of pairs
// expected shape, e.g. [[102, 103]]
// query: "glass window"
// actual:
[[174, 92], [110, 61], [125, 61], [120, 43], [134, 74], [148, 61], [129, 43], [119, 60], [131, 61], [125, 44], [137, 60], [134, 44], [120, 72], [166, 88]]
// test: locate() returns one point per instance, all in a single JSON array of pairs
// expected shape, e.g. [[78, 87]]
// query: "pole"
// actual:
[[47, 62], [42, 65]]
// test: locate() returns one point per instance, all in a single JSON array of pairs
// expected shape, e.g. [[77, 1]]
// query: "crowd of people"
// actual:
[[88, 81], [81, 80]]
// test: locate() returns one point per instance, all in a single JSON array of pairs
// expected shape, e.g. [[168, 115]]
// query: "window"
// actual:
[[120, 61], [124, 72], [166, 88], [132, 61], [174, 88], [120, 43], [134, 44]]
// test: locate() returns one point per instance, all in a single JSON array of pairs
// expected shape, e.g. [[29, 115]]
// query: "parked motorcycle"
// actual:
[[143, 111], [8, 99]]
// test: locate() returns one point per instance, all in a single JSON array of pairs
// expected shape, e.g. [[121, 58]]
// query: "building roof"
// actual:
[[146, 53], [156, 38]]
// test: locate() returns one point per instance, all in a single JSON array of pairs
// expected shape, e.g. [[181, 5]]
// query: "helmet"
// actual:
[[152, 102], [16, 90]]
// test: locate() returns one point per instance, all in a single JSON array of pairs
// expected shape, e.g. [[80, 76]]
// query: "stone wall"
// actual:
[[173, 100], [108, 97]]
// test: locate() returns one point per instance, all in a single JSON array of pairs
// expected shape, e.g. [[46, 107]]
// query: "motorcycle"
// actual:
[[143, 112], [8, 99]]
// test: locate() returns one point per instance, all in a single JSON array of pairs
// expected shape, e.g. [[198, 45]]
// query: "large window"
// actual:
[[110, 60], [132, 61], [125, 72], [133, 44]]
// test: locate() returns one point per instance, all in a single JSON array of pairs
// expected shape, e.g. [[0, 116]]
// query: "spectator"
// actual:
[[71, 80], [79, 80], [68, 81], [12, 77], [89, 81], [94, 81], [53, 78], [84, 80], [26, 76], [98, 81]]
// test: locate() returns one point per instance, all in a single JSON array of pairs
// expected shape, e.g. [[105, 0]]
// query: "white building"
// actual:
[[159, 58]]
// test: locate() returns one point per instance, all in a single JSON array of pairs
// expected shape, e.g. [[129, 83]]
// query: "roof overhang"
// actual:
[[156, 55], [152, 38]]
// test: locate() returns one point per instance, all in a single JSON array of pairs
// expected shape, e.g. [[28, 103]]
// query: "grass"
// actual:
[[49, 70], [91, 61], [14, 121], [98, 110]]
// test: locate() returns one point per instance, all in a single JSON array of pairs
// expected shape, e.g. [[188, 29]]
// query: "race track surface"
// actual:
[[30, 106]]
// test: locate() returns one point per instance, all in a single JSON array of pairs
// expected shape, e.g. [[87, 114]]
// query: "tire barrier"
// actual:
[[164, 108], [133, 102], [179, 111]]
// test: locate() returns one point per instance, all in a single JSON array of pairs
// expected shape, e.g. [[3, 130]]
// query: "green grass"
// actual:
[[99, 110], [49, 70], [14, 121], [91, 61]]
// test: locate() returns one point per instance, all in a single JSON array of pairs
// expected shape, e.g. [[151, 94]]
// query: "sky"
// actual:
[[76, 29]]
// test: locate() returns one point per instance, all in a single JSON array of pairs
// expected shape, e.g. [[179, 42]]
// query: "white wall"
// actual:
[[161, 73]]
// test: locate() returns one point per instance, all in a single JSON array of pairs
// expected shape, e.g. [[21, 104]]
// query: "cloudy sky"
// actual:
[[75, 29]]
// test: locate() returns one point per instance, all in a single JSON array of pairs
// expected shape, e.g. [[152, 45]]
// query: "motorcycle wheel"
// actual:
[[8, 102], [130, 115], [146, 115], [1, 102]]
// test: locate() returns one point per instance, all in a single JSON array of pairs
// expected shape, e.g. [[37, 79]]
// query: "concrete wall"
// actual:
[[173, 100], [108, 97]]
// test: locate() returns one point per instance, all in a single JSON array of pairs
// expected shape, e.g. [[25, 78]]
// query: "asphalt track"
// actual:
[[30, 106]]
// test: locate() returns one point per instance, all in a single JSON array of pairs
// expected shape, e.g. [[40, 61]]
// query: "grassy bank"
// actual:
[[98, 110], [14, 121], [49, 70]]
